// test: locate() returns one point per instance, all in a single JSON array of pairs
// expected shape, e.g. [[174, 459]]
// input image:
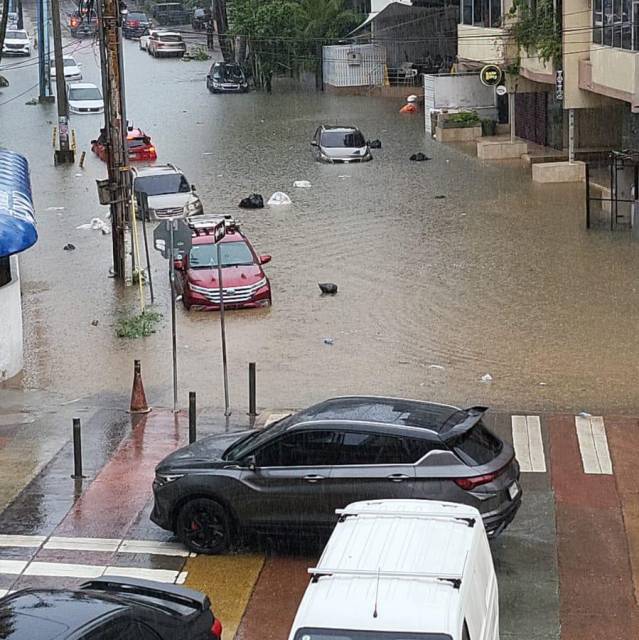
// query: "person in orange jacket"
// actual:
[[410, 106]]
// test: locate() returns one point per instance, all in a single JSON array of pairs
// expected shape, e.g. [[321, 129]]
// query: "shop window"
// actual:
[[5, 270], [481, 13]]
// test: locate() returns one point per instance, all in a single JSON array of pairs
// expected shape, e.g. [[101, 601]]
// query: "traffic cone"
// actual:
[[138, 397]]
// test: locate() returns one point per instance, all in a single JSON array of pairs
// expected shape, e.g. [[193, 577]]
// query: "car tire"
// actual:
[[203, 526]]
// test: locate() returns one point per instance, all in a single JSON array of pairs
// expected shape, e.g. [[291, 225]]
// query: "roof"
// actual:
[[405, 555], [82, 85], [400, 9], [155, 170], [329, 127], [380, 409]]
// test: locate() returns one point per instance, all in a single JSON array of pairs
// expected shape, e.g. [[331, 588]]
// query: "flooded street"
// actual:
[[499, 276]]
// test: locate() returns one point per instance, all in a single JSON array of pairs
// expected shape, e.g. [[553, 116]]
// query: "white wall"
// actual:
[[11, 325]]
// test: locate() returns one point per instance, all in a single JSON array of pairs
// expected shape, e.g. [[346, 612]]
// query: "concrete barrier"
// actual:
[[548, 172], [458, 134], [500, 149]]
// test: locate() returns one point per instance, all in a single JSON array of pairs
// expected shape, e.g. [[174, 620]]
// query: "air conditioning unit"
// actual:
[[354, 58]]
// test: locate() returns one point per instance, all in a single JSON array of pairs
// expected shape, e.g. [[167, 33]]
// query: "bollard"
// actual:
[[192, 418], [77, 450], [83, 155], [252, 403]]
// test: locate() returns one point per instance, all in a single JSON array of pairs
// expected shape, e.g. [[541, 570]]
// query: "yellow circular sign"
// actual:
[[490, 75]]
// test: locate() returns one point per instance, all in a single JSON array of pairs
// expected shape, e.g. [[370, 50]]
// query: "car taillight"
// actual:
[[134, 23], [151, 149], [468, 484], [216, 629], [74, 22]]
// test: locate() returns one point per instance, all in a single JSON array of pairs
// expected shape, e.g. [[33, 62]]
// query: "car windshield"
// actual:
[[136, 143], [228, 72], [69, 62], [254, 440], [140, 17], [162, 184], [233, 254], [84, 93], [343, 139], [16, 35]]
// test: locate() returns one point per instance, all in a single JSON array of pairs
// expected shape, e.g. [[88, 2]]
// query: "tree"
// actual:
[[220, 16]]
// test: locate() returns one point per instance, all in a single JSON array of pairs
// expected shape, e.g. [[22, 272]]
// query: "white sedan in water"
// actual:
[[71, 69], [16, 43], [144, 40], [84, 97]]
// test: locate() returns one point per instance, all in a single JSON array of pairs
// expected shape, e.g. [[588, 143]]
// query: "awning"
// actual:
[[399, 9], [17, 221]]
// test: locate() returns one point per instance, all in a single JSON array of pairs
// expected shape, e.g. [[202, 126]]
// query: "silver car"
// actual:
[[169, 193], [340, 144], [293, 474]]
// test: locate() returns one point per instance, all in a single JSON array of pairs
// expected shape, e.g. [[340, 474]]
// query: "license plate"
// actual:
[[513, 490]]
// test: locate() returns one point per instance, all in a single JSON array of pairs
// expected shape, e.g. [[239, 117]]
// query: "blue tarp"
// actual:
[[17, 220]]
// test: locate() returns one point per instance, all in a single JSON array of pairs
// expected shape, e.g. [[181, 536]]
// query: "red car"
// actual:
[[140, 146], [245, 284]]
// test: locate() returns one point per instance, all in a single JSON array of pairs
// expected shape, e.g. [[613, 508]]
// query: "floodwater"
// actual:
[[500, 277]]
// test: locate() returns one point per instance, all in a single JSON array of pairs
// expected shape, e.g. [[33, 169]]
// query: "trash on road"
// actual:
[[584, 414], [55, 209], [419, 157], [79, 175], [375, 144], [254, 201], [96, 224], [487, 378], [302, 184], [94, 323], [329, 288], [279, 198], [69, 247], [436, 366], [439, 197], [329, 341], [343, 177], [32, 102]]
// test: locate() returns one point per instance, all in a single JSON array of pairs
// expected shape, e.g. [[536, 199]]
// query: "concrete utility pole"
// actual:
[[115, 123], [65, 153]]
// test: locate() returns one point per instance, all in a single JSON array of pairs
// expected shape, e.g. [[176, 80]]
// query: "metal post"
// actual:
[[143, 207], [511, 115], [171, 224], [192, 418], [252, 403], [571, 135], [65, 153], [227, 411], [587, 196], [77, 449]]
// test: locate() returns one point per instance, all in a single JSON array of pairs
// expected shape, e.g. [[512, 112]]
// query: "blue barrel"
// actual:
[[17, 220]]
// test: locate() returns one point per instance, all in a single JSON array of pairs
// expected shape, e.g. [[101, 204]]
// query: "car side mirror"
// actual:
[[250, 463], [313, 143], [192, 187], [264, 259], [78, 64]]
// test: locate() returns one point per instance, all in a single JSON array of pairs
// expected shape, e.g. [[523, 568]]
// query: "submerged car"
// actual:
[[109, 608], [139, 143], [71, 68], [83, 24], [16, 43], [226, 78], [168, 191], [244, 283], [135, 25], [294, 474], [340, 144], [84, 97]]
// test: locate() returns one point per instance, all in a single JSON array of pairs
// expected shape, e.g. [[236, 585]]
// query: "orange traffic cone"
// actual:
[[138, 397]]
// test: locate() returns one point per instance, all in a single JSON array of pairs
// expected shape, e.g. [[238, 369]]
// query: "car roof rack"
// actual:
[[452, 578], [205, 225], [469, 521]]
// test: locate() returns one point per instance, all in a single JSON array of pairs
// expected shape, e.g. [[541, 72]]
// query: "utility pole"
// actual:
[[64, 153], [115, 123], [44, 62]]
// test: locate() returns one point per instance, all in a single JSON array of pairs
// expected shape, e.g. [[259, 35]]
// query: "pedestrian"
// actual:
[[410, 106], [209, 34]]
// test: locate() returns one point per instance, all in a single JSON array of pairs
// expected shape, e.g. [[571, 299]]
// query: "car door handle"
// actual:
[[397, 477], [313, 479]]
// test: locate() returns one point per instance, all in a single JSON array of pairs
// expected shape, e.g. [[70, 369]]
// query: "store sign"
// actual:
[[559, 85], [501, 90], [490, 75]]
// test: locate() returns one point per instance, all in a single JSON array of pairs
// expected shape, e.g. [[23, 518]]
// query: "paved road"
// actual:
[[567, 567]]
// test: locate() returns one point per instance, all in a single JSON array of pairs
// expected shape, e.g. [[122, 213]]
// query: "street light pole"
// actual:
[[115, 123], [64, 153]]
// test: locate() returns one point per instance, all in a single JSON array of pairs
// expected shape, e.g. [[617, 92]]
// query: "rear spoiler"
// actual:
[[473, 416], [163, 591]]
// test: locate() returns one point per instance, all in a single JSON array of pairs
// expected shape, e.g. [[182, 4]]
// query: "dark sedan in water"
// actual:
[[226, 77], [293, 474]]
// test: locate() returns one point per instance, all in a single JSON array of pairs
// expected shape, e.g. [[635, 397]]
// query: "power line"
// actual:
[[19, 95]]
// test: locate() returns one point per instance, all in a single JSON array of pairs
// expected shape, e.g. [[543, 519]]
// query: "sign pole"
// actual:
[[173, 331], [227, 410]]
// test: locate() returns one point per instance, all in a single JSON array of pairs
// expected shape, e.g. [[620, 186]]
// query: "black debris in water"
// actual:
[[329, 288], [69, 247], [419, 157], [254, 201], [375, 144]]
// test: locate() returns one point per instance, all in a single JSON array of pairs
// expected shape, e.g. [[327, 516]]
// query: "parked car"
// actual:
[[340, 144], [139, 143], [167, 13], [428, 562], [144, 39], [72, 70], [83, 24], [168, 191], [165, 43], [293, 474], [226, 78], [135, 25], [84, 97], [16, 43], [109, 607], [245, 285]]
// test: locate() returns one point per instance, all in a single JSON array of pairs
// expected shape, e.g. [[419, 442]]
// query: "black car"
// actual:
[[167, 13], [83, 24], [226, 77], [135, 25], [109, 609], [293, 474]]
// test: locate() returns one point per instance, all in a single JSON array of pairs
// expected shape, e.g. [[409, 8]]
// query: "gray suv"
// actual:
[[340, 144], [293, 474]]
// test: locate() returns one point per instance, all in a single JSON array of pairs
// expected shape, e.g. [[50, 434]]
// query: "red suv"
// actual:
[[245, 284]]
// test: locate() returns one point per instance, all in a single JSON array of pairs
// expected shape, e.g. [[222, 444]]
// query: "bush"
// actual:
[[138, 326], [465, 118]]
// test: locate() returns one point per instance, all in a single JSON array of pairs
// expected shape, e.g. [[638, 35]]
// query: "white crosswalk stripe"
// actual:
[[593, 445], [528, 443]]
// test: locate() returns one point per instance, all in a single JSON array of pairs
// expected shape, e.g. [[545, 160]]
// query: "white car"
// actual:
[[16, 43], [84, 97], [144, 40], [71, 69], [165, 43]]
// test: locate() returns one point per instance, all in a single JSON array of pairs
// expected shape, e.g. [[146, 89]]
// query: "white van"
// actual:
[[402, 570]]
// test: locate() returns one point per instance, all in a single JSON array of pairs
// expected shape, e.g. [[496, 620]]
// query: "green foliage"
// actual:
[[537, 29], [466, 118], [198, 52], [138, 326]]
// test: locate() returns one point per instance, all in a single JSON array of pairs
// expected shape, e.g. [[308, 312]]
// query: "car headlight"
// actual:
[[166, 478], [217, 85], [192, 206]]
